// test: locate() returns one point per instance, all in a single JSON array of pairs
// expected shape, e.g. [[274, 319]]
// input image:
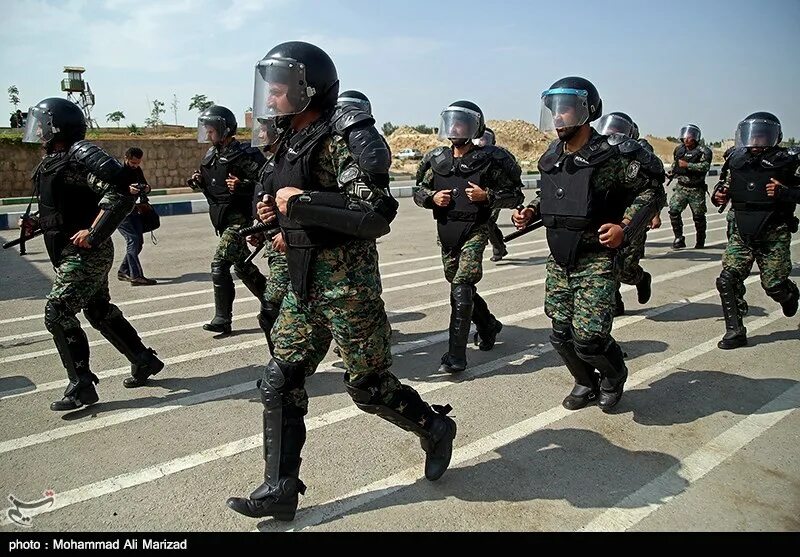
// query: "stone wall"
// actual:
[[167, 163]]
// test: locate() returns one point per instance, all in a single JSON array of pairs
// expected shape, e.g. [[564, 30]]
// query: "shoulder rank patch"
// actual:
[[633, 170]]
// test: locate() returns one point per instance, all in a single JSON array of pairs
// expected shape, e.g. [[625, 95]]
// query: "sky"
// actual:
[[665, 63]]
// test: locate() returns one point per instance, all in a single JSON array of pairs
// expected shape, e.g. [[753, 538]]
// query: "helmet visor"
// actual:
[[613, 123], [459, 123], [758, 133], [265, 132], [280, 88], [690, 132], [358, 103], [563, 108], [39, 126], [211, 129]]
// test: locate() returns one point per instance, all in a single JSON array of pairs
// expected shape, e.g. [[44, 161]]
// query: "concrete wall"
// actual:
[[167, 163]]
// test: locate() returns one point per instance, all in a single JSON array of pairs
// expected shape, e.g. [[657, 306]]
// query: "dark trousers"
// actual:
[[131, 230]]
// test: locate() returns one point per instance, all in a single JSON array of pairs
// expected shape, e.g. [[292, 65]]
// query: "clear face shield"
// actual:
[[486, 139], [613, 123], [758, 134], [211, 129], [39, 126], [563, 108], [280, 89], [265, 132], [690, 133], [459, 124]]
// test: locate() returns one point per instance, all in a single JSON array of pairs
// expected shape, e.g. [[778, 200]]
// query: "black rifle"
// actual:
[[22, 239], [270, 231]]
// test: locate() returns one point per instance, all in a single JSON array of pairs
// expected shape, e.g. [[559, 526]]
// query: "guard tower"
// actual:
[[79, 92]]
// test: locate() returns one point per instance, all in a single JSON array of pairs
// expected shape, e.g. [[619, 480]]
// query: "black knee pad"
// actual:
[[783, 292], [54, 315], [462, 293], [366, 392], [596, 346], [561, 335], [278, 378], [727, 280], [674, 215], [220, 274]]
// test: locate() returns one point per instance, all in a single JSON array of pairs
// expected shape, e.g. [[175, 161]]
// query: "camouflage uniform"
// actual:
[[229, 212], [579, 295], [81, 281], [335, 294], [497, 172], [769, 239], [690, 190]]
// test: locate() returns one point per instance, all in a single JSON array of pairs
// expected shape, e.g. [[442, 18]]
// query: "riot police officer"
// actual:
[[619, 127], [763, 191], [461, 185], [227, 177], [593, 198], [692, 162], [82, 199], [332, 202]]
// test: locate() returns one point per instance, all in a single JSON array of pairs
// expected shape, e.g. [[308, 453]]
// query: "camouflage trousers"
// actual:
[[278, 279], [771, 252], [682, 196], [629, 271], [583, 296], [466, 265], [232, 250], [344, 305], [81, 280]]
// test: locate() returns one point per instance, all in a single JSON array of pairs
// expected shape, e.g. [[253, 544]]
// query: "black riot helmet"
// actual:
[[690, 131], [293, 77], [461, 122], [54, 119], [488, 138], [355, 98], [616, 122], [220, 120], [759, 130], [568, 104]]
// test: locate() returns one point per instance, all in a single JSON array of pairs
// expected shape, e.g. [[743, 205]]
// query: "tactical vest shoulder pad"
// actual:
[[506, 160], [645, 145], [440, 160], [738, 158], [52, 164], [679, 151], [594, 152], [347, 116], [707, 153], [628, 146], [778, 159], [550, 157], [96, 161], [303, 141], [208, 158], [254, 154]]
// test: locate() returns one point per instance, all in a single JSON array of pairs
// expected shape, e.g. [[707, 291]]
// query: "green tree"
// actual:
[[115, 117], [13, 96], [422, 128], [155, 115], [200, 102], [388, 128]]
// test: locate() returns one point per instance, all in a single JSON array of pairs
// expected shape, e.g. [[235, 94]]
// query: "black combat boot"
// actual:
[[644, 288], [455, 360], [73, 348], [405, 408], [488, 327], [735, 332], [586, 378], [786, 294], [677, 229], [700, 226], [224, 294], [606, 356], [284, 433]]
